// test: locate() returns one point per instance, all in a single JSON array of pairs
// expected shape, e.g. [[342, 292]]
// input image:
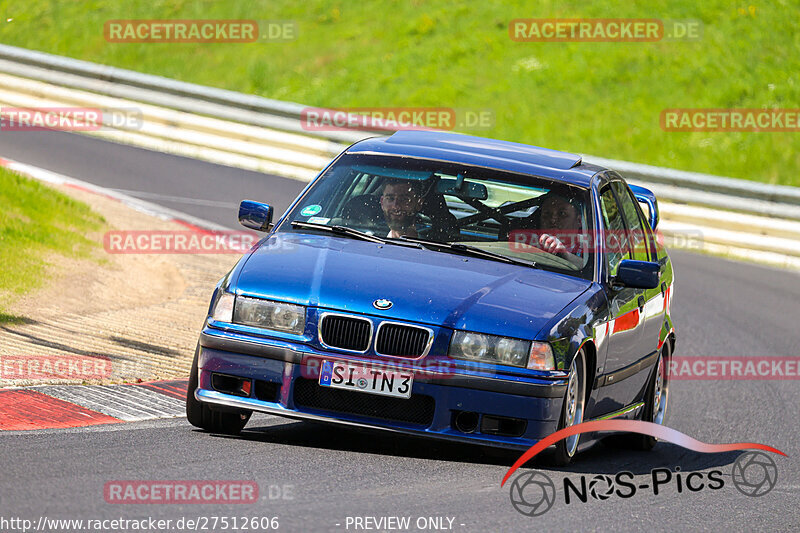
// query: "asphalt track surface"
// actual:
[[720, 308]]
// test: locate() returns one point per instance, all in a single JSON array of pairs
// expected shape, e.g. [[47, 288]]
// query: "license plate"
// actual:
[[364, 378]]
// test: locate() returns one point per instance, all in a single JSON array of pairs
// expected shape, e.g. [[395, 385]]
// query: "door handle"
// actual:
[[640, 301]]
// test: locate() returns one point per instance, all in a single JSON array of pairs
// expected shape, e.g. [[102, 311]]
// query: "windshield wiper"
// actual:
[[470, 250], [341, 230], [350, 232]]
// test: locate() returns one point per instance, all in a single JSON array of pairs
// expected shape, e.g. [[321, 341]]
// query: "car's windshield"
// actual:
[[518, 216]]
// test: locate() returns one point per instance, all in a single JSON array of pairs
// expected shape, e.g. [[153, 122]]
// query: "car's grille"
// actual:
[[418, 409], [402, 341], [346, 333]]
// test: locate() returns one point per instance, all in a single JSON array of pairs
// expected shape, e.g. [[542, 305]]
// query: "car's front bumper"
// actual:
[[283, 383]]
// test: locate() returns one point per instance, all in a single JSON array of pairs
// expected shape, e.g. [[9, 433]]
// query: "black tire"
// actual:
[[199, 414], [566, 448], [654, 409]]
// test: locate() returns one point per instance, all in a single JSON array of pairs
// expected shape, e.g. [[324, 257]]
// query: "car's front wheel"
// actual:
[[572, 410], [201, 415]]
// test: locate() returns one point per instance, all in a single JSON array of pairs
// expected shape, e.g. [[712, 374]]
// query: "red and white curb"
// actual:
[[66, 406], [48, 407]]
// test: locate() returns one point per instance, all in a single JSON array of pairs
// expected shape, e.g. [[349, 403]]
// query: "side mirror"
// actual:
[[638, 274], [255, 215]]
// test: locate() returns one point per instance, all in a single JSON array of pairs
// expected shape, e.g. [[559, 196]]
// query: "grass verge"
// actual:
[[38, 226]]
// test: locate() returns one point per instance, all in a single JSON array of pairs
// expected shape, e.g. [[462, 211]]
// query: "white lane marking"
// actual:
[[176, 199], [142, 206]]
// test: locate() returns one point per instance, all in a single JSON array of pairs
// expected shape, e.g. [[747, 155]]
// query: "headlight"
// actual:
[[512, 351], [470, 345], [503, 350], [269, 315], [223, 308]]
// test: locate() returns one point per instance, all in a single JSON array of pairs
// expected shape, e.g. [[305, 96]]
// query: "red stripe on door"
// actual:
[[27, 409], [627, 321]]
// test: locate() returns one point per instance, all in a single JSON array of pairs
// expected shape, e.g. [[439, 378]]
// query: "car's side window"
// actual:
[[648, 232], [615, 236], [636, 228]]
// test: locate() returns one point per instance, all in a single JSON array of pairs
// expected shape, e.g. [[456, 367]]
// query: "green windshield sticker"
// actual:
[[311, 210]]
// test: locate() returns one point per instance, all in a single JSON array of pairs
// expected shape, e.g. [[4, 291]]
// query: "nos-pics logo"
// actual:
[[534, 493]]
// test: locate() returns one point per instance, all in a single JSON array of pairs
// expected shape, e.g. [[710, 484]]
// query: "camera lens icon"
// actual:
[[532, 493], [601, 487], [754, 474]]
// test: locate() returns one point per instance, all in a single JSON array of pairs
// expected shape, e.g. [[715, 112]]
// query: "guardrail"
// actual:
[[285, 116], [266, 135], [157, 90]]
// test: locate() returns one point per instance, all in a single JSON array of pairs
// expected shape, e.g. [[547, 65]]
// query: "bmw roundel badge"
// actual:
[[382, 304]]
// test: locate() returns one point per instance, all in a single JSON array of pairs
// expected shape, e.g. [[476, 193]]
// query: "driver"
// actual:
[[401, 201]]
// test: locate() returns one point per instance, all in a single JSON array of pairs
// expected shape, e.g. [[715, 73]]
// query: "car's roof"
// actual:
[[482, 152]]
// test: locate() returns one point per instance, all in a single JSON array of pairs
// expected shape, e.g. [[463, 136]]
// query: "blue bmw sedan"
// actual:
[[450, 287]]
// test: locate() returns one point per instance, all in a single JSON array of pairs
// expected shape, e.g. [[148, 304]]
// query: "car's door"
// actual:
[[625, 303], [643, 247]]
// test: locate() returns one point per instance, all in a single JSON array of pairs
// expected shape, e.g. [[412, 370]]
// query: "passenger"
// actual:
[[559, 214]]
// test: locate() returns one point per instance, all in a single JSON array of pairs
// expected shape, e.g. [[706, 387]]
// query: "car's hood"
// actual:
[[424, 286]]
